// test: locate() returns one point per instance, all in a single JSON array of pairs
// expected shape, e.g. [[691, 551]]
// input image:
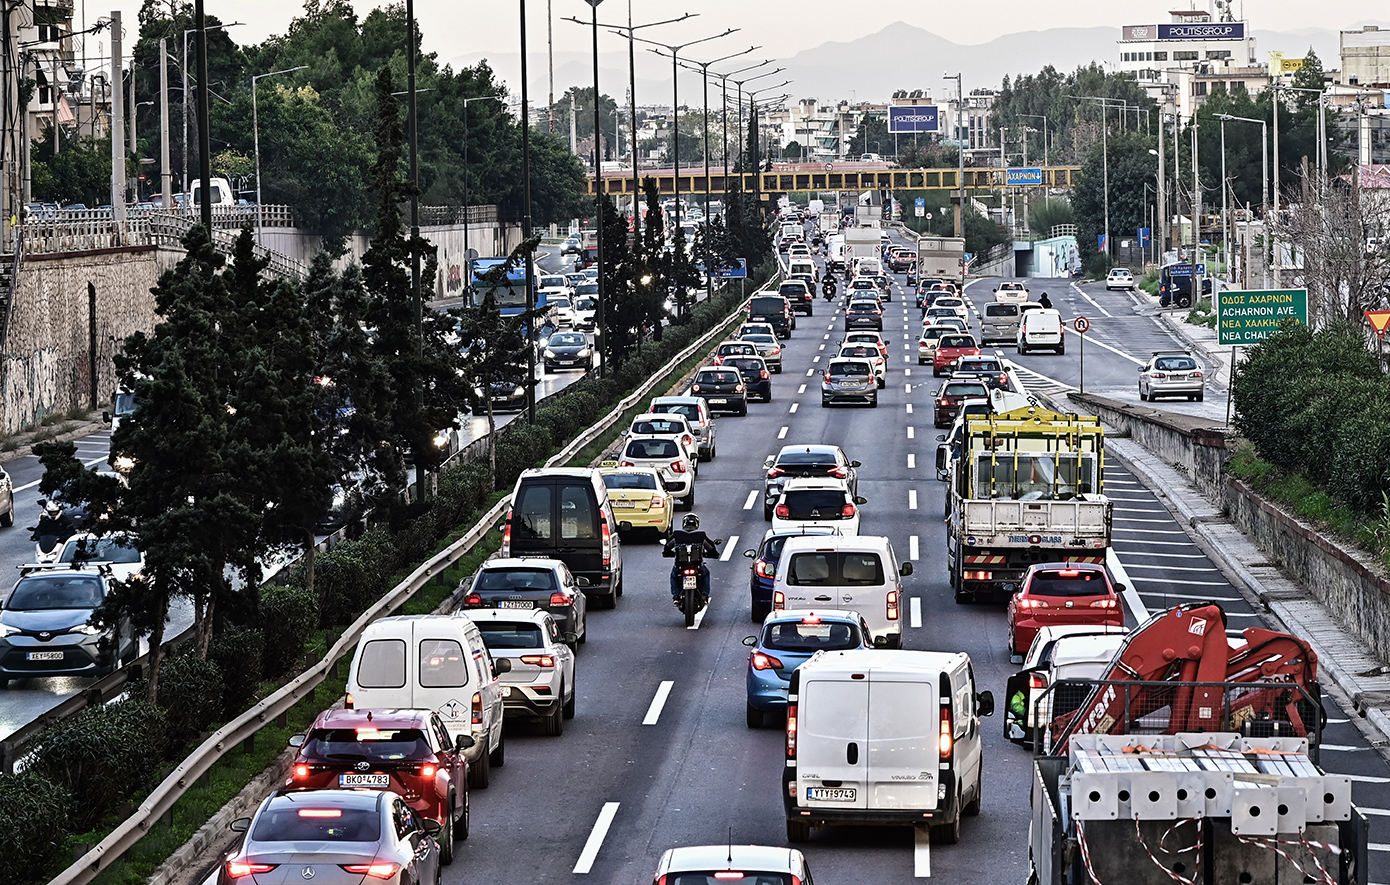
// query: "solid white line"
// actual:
[[921, 853], [911, 432], [801, 389], [912, 548], [1083, 294], [1137, 519], [911, 499], [729, 546], [782, 434], [752, 499], [1183, 582], [1192, 597], [1342, 748], [663, 691], [1131, 595], [596, 837], [915, 611], [911, 461], [1364, 778], [1174, 568], [792, 410], [30, 485]]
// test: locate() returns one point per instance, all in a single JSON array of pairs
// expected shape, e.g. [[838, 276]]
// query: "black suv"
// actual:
[[800, 294], [864, 315], [775, 310]]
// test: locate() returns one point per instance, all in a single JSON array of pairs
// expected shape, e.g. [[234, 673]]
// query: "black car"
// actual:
[[568, 350], [775, 310], [800, 294], [531, 584], [1175, 286], [757, 383], [806, 461], [864, 315], [722, 389]]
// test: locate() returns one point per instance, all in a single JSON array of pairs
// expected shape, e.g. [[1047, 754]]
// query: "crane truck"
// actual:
[[1025, 487]]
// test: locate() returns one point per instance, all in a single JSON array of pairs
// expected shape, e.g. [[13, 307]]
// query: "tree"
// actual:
[[1331, 229], [623, 313], [583, 103], [651, 271], [871, 137], [1130, 168], [791, 151], [1050, 93], [79, 173]]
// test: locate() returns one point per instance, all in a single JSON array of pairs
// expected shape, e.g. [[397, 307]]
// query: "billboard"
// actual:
[[1135, 33], [1203, 31], [914, 118]]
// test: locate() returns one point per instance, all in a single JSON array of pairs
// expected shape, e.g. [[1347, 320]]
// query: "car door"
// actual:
[[562, 654], [415, 845], [832, 743], [452, 758], [442, 668], [903, 728]]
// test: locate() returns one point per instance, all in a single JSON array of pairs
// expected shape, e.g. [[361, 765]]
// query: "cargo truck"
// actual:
[[941, 258]]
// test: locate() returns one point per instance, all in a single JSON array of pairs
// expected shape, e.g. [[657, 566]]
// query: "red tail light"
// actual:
[[347, 701], [943, 402], [1003, 378], [1068, 572], [560, 599], [544, 661], [775, 472], [839, 472], [944, 742], [764, 569], [783, 512], [301, 771], [239, 869], [764, 374], [892, 605], [607, 545], [1032, 603], [694, 388], [678, 466], [686, 439], [779, 601], [377, 869], [473, 599], [428, 770], [1158, 376], [657, 503], [765, 662], [477, 708], [847, 511], [1037, 681], [738, 388], [1105, 603], [626, 463], [791, 731], [506, 539], [826, 376]]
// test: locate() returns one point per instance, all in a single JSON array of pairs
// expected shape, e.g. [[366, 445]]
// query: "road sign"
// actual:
[[1023, 177], [913, 118], [1082, 325], [730, 272], [1250, 316], [919, 207], [929, 216], [1185, 270], [1379, 320]]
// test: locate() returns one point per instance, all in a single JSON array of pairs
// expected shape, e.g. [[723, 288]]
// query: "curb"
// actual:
[[24, 450]]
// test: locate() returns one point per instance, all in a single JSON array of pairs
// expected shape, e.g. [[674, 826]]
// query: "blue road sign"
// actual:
[[1021, 177], [731, 272], [1185, 270], [914, 118], [1145, 237]]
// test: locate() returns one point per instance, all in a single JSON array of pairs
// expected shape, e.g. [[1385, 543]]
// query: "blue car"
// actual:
[[763, 572], [787, 640]]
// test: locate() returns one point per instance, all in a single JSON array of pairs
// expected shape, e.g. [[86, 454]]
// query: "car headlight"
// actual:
[[124, 463], [8, 630], [583, 353], [89, 629], [550, 354]]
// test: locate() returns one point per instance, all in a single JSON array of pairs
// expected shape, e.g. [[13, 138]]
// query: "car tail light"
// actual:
[[847, 511], [558, 598], [1037, 681], [506, 539], [657, 503], [240, 869], [978, 576], [728, 874], [764, 569], [348, 701], [1032, 603], [783, 512], [428, 770], [301, 771], [1105, 603], [1158, 376], [544, 661], [473, 599], [791, 731], [765, 662], [1068, 572], [839, 472], [775, 472], [626, 463], [694, 388], [1196, 375], [1004, 378], [764, 374], [477, 708], [686, 439], [607, 545], [826, 376], [779, 601], [944, 742], [943, 402], [377, 869], [892, 605], [678, 466]]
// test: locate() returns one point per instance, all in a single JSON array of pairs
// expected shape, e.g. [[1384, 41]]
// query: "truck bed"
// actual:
[[1033, 523]]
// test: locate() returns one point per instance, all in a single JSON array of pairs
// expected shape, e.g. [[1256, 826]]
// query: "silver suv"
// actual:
[[46, 626]]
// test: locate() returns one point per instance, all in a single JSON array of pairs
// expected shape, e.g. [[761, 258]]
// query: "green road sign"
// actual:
[[1250, 316]]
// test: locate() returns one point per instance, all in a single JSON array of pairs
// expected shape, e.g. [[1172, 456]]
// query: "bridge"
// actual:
[[826, 177]]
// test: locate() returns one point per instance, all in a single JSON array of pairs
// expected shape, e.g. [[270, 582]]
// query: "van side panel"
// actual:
[[833, 730], [903, 728]]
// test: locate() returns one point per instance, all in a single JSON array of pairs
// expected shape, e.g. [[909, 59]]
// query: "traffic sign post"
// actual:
[[1251, 316], [1082, 326], [919, 207], [1023, 177], [1379, 320]]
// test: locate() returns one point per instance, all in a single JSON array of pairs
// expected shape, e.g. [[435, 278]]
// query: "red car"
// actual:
[[406, 751], [951, 348], [1062, 593]]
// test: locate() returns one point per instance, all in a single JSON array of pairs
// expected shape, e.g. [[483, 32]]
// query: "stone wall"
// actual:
[[47, 365]]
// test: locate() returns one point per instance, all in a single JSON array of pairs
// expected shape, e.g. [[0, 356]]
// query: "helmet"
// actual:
[[52, 508], [691, 522]]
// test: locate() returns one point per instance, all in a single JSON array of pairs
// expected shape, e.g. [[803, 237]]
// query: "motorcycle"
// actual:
[[49, 536], [694, 592], [828, 287]]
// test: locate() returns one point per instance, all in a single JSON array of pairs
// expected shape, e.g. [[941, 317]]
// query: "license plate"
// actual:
[[718, 402], [44, 656], [364, 780], [830, 794], [565, 362], [689, 582], [515, 603]]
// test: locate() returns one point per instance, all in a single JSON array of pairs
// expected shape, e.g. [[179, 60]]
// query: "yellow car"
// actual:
[[639, 499]]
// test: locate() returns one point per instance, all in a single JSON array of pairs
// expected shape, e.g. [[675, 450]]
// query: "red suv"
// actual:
[[406, 751], [1062, 593], [950, 348]]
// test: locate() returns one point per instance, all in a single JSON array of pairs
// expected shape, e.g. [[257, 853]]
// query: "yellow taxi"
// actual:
[[638, 496]]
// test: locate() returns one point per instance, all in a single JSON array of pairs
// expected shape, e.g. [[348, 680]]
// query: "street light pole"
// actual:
[[960, 155], [600, 336], [256, 140], [1105, 103], [724, 85], [1264, 173], [526, 227], [166, 175], [183, 70], [1047, 196]]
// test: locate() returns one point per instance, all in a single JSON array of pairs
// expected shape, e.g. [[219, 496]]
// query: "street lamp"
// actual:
[[724, 87], [1047, 196], [739, 84], [526, 225], [757, 137], [183, 69], [1105, 103], [1264, 171], [600, 339], [960, 153], [467, 256], [256, 140]]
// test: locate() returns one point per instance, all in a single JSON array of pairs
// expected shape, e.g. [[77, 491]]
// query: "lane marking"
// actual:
[[810, 372], [832, 325], [921, 853], [752, 499], [1131, 594], [1175, 568], [911, 499], [915, 611], [663, 691], [907, 388], [30, 485], [729, 546], [1364, 778], [1342, 748], [596, 837], [912, 548], [909, 408], [792, 410], [782, 434], [822, 347], [1083, 294], [699, 618], [825, 337], [907, 371], [911, 432], [907, 358], [911, 461], [1192, 597], [815, 359], [801, 389], [1184, 582]]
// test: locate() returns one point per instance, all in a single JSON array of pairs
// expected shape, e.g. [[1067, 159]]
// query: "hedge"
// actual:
[[33, 821]]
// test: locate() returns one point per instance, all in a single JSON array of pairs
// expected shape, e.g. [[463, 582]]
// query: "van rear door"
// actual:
[[832, 742], [865, 582], [904, 725], [812, 580], [444, 675], [579, 520]]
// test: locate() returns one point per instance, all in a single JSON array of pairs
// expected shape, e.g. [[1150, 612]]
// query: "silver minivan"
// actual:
[[999, 322]]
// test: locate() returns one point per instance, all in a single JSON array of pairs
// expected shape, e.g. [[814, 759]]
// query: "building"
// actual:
[[972, 126], [1366, 57], [1185, 58]]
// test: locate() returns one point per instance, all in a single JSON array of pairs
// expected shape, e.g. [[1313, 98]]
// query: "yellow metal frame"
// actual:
[[617, 184], [1069, 433]]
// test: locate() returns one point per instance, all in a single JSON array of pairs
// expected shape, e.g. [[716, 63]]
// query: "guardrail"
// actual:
[[172, 788]]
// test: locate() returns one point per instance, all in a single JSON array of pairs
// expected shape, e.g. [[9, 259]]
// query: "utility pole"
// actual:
[[526, 226], [600, 326], [1162, 194], [1196, 220], [415, 293], [204, 135], [550, 57], [117, 125], [166, 175]]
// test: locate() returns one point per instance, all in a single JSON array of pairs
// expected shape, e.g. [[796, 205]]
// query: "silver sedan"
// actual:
[[1171, 374]]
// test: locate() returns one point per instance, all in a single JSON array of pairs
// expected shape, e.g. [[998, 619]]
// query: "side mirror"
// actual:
[[937, 392], [771, 459], [569, 638], [464, 742], [855, 464], [941, 437], [431, 826], [582, 581], [905, 569], [940, 459], [502, 526], [1120, 588], [240, 825], [500, 666], [750, 640], [860, 500], [985, 700], [105, 417], [1141, 370], [296, 740], [751, 554]]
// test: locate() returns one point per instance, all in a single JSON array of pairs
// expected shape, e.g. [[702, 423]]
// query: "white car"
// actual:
[[561, 310], [1119, 278], [118, 549], [748, 864], [6, 499], [672, 426], [816, 502], [540, 684], [1062, 652], [554, 286], [1011, 291], [584, 310], [669, 458], [957, 304]]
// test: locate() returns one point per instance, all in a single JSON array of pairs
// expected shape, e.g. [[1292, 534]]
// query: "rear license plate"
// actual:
[[364, 780], [44, 656], [689, 582], [830, 794], [718, 402], [515, 603]]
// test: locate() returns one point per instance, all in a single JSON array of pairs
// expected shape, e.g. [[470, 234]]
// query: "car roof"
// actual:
[[660, 416], [808, 529], [813, 482], [816, 448], [330, 798], [759, 858], [836, 542], [677, 400], [798, 614], [1086, 647], [369, 717], [859, 660]]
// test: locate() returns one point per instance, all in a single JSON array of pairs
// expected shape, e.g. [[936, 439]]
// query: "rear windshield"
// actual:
[[814, 503], [979, 365], [1084, 583], [652, 448], [745, 364], [1001, 310], [850, 368], [760, 338], [585, 304], [586, 289], [793, 288], [957, 341], [516, 579], [864, 306], [860, 351], [567, 339], [689, 410], [42, 592], [965, 390], [291, 820], [768, 304], [814, 637], [822, 459], [1166, 364], [498, 636], [835, 568], [630, 481], [657, 426], [371, 744], [736, 347], [933, 334], [552, 282], [717, 378]]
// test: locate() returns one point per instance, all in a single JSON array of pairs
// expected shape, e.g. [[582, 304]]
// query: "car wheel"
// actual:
[[1201, 396], [690, 498], [1143, 397], [554, 722], [608, 602], [798, 831], [498, 757], [949, 832], [873, 403], [824, 403], [570, 704], [464, 819], [445, 839], [743, 410], [7, 519], [754, 717], [1061, 350], [480, 772], [882, 383], [921, 362]]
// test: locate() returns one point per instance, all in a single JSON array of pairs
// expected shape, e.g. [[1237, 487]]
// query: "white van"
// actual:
[[867, 267], [803, 267], [440, 663], [860, 573], [883, 737], [219, 188], [835, 252], [1041, 329]]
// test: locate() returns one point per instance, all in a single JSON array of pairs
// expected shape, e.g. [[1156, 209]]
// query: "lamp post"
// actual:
[[600, 339], [757, 165], [256, 139], [183, 69], [960, 155], [1047, 196], [1105, 103], [1264, 171], [740, 84], [724, 87], [467, 253], [526, 225]]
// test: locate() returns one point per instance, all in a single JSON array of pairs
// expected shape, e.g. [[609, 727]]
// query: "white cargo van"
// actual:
[[835, 252], [856, 572], [883, 737], [440, 663], [1041, 329], [802, 267]]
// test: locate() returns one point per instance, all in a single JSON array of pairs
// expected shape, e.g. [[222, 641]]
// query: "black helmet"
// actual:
[[690, 523]]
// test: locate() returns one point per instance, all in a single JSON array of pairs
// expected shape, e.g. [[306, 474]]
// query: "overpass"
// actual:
[[827, 177]]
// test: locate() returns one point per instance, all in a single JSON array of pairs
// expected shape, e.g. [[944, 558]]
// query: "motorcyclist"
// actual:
[[1045, 301], [828, 287], [689, 533], [54, 523]]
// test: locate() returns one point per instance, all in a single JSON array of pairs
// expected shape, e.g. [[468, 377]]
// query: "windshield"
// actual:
[[1032, 476], [822, 459], [584, 290], [47, 592], [371, 744], [125, 404], [810, 637], [630, 481], [760, 338], [957, 341], [657, 427], [689, 410], [498, 636], [1175, 364], [552, 282], [861, 351], [848, 368], [962, 390], [516, 579], [745, 364], [291, 820], [568, 339], [100, 550], [558, 301], [585, 303], [717, 378], [652, 448]]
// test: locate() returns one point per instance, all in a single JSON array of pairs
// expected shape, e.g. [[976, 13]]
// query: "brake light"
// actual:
[[826, 376], [1196, 375], [607, 545], [686, 439], [558, 598], [377, 869], [348, 702], [892, 605], [477, 708], [944, 742], [779, 601], [783, 512], [811, 620], [240, 869], [847, 511], [428, 770], [301, 772], [791, 731], [764, 374], [694, 388], [1105, 603], [473, 599], [765, 569], [765, 662], [728, 874], [506, 544], [1037, 681], [320, 812], [978, 576], [1068, 572], [943, 402], [626, 463], [545, 661], [1003, 378], [1158, 376], [1032, 603], [677, 466], [657, 503], [738, 388], [839, 472], [775, 472]]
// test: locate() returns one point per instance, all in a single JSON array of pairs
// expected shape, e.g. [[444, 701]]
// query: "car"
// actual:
[[1056, 593], [757, 383], [768, 348], [1068, 652], [1012, 291], [949, 396], [849, 380], [697, 414], [575, 279], [755, 329], [564, 513], [568, 350], [956, 304], [787, 640], [733, 348], [926, 344], [762, 574], [800, 294], [949, 447], [803, 460], [338, 835], [541, 684], [773, 310], [864, 314], [668, 457], [872, 354], [901, 258], [571, 246], [119, 551], [6, 499], [585, 309], [1171, 374], [508, 396], [46, 625], [991, 370], [864, 287], [554, 286], [640, 499], [675, 427], [1119, 278], [747, 864], [885, 286], [816, 501], [721, 388], [1041, 329], [950, 348], [405, 752], [999, 321], [867, 337], [939, 312], [531, 584], [561, 310]]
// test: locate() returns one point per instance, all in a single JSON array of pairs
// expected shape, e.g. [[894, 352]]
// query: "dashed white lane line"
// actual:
[[801, 389], [822, 347], [912, 548], [907, 372], [825, 337], [663, 691], [907, 388], [911, 461], [782, 434], [914, 607], [907, 357], [1131, 593], [911, 499], [816, 358], [810, 372], [752, 499], [596, 837], [921, 853], [832, 325], [909, 408], [729, 547], [792, 410], [911, 432]]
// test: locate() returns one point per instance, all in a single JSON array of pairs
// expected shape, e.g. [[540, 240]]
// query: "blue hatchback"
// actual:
[[786, 641], [763, 573]]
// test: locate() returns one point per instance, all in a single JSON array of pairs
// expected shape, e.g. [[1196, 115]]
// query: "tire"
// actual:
[[1061, 350], [690, 498], [554, 723], [1201, 396], [743, 412], [1143, 397], [754, 717], [608, 602], [8, 519], [445, 839], [570, 704], [873, 404], [461, 825], [480, 772], [498, 757], [824, 403], [688, 606], [882, 383], [798, 831], [947, 833], [921, 362]]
